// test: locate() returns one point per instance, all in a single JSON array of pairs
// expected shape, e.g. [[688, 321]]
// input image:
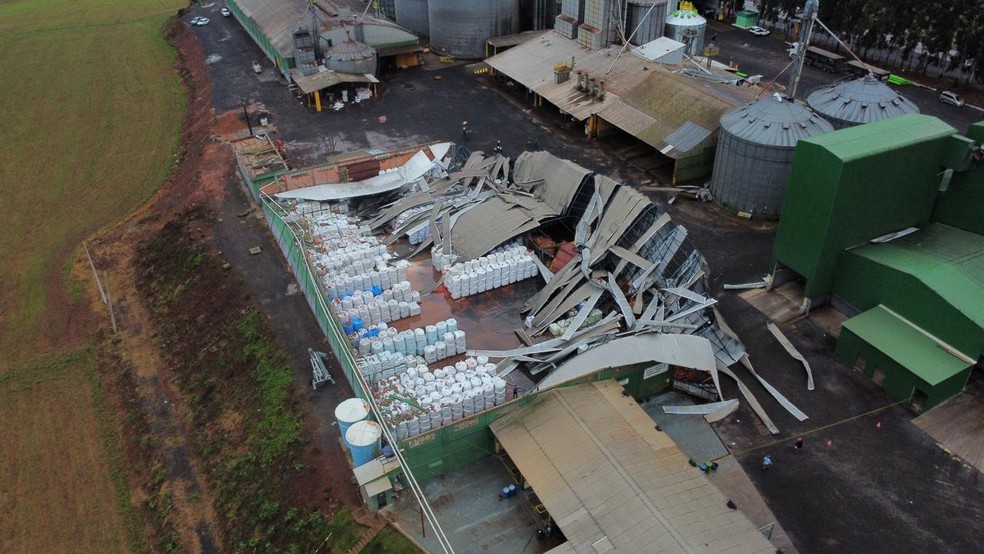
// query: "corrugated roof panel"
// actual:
[[774, 122], [687, 136], [683, 350], [906, 344], [859, 101], [610, 491], [641, 97]]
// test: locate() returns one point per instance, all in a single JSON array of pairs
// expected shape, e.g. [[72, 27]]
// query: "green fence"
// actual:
[[289, 238]]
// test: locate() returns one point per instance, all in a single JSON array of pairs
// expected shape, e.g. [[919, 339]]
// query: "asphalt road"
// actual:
[[767, 56], [887, 489]]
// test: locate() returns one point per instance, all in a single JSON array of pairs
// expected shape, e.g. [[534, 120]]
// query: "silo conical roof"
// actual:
[[684, 18], [350, 50], [860, 101], [774, 121]]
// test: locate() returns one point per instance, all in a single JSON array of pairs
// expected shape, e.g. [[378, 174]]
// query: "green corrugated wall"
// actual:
[[864, 284], [962, 205], [887, 182], [899, 381]]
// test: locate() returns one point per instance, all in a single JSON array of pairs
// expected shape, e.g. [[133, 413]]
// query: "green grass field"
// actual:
[[91, 116]]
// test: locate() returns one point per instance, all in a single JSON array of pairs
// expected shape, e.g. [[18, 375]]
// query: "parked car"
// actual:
[[202, 21], [225, 12], [952, 99], [758, 31], [194, 20]]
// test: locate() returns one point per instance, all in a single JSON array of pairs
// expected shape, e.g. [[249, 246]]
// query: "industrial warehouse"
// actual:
[[482, 305]]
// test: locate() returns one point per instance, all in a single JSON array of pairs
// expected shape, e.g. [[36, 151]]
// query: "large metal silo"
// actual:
[[388, 8], [755, 152], [412, 15], [687, 27], [650, 27], [857, 102], [351, 56], [459, 28]]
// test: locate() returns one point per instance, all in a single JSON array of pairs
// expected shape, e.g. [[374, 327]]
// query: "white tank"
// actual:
[[350, 411]]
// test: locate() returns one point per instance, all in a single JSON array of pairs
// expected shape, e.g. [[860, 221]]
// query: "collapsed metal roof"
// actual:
[[774, 121], [859, 101]]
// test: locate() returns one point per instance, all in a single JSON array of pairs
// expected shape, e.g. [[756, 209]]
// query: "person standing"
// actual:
[[766, 462], [799, 444]]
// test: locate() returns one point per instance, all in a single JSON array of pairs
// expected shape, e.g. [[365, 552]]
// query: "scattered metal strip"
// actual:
[[792, 352], [635, 259], [750, 399], [662, 220], [664, 323], [746, 286], [790, 407], [505, 367], [692, 309], [729, 407], [582, 315], [544, 271], [685, 293], [623, 303], [700, 409]]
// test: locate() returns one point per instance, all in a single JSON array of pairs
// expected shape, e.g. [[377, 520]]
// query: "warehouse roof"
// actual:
[[278, 21], [327, 78], [948, 260], [911, 346], [612, 482], [642, 98]]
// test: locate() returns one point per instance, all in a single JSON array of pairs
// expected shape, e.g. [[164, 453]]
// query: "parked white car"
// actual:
[[225, 12], [758, 31], [952, 99], [202, 21]]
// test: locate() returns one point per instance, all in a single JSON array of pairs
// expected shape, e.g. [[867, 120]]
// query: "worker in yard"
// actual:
[[799, 444], [766, 462], [464, 130], [498, 147]]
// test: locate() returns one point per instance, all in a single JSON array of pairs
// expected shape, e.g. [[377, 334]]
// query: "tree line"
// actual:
[[916, 35]]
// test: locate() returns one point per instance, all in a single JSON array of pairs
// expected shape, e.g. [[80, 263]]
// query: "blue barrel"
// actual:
[[362, 439], [349, 412]]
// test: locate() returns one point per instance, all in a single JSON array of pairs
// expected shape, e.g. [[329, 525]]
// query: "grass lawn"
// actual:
[[91, 112]]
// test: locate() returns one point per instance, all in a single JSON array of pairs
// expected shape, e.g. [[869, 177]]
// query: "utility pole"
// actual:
[[809, 17], [242, 99]]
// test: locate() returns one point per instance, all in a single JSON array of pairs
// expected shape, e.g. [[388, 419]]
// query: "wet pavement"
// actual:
[[472, 516]]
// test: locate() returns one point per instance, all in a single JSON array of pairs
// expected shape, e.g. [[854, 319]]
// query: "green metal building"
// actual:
[[917, 298]]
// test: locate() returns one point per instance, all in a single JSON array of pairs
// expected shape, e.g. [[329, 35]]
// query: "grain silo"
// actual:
[[459, 28], [412, 15], [864, 100], [387, 8], [755, 154], [688, 27], [350, 56], [645, 18]]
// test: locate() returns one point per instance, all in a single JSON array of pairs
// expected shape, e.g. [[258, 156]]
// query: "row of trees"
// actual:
[[917, 35]]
